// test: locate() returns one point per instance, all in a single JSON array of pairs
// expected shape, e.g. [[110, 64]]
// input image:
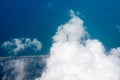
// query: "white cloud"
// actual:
[[70, 59], [17, 67], [71, 31], [19, 44], [37, 44], [115, 52]]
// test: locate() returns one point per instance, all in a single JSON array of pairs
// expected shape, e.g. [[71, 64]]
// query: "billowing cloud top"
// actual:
[[71, 31], [19, 44], [70, 59]]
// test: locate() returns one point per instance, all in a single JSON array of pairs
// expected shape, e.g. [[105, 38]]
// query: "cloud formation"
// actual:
[[19, 66], [16, 68], [73, 58], [20, 44]]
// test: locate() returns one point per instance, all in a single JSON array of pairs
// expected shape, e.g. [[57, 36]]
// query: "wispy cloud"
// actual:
[[50, 4], [118, 27], [20, 44], [17, 68]]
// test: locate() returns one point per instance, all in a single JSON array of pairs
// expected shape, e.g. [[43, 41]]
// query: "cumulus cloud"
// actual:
[[20, 44], [73, 58]]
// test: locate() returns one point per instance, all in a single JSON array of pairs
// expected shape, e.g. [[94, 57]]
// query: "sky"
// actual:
[[40, 18], [80, 36]]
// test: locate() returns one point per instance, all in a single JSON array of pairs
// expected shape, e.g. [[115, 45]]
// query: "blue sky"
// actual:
[[40, 19]]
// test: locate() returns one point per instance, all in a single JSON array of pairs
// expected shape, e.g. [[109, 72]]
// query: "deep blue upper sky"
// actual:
[[40, 19]]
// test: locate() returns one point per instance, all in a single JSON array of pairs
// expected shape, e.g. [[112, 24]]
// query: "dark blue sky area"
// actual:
[[40, 19]]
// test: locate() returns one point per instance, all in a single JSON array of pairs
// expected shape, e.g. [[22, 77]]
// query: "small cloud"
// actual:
[[37, 44], [77, 13], [50, 4], [72, 13], [118, 27], [20, 44]]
